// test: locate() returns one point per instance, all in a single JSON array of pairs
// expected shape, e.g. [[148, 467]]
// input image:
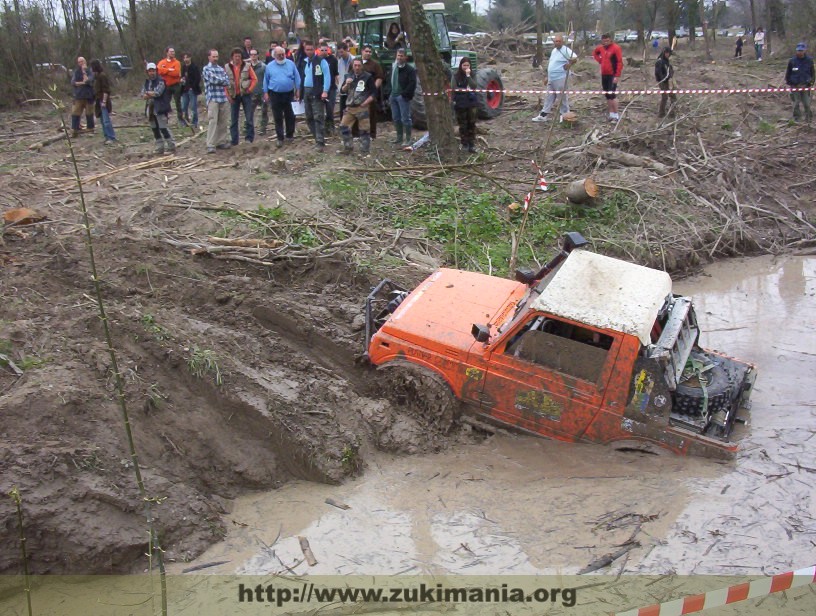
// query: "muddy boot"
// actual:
[[365, 143], [346, 138], [398, 139], [159, 146], [407, 141], [170, 146]]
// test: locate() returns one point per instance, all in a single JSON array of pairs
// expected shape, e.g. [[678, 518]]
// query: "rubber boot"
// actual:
[[407, 141], [159, 146], [398, 139], [365, 143], [348, 143]]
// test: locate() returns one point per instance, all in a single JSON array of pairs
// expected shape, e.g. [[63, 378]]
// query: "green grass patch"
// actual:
[[474, 225]]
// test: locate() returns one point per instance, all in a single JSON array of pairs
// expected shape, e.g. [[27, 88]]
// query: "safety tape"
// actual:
[[655, 91], [726, 596]]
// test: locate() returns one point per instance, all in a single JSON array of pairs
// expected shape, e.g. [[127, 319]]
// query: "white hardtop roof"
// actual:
[[606, 293], [394, 9]]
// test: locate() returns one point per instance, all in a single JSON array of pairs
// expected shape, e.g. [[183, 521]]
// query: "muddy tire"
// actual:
[[490, 103], [420, 392], [689, 397]]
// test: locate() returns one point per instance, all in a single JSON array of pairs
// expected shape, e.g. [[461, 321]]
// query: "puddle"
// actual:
[[520, 505]]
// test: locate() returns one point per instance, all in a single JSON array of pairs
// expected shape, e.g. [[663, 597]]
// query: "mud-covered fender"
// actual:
[[649, 395]]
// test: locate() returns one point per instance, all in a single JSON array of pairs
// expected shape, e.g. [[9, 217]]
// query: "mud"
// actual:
[[516, 504], [293, 409]]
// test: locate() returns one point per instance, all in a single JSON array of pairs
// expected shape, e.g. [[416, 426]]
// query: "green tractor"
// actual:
[[372, 26]]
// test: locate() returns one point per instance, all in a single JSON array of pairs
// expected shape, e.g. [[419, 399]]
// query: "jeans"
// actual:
[[401, 110], [245, 101], [281, 103], [554, 87], [330, 102], [175, 94], [107, 125], [803, 97], [315, 114], [188, 99], [758, 50]]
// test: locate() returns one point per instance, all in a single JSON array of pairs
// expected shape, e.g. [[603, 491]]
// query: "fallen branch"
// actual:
[[608, 559]]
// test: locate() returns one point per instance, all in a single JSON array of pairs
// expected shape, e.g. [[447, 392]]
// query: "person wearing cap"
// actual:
[[799, 74], [373, 67], [664, 73], [157, 109]]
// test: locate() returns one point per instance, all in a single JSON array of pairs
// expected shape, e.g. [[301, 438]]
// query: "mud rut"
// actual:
[[293, 403]]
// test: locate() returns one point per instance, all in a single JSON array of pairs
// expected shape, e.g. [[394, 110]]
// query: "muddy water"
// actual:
[[522, 505]]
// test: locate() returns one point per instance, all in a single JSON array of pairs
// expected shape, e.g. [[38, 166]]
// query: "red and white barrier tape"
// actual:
[[654, 91], [726, 596]]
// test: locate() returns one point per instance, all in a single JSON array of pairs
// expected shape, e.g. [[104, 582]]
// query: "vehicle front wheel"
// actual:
[[421, 392]]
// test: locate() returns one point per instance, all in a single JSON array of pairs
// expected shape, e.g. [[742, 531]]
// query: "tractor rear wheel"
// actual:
[[490, 102]]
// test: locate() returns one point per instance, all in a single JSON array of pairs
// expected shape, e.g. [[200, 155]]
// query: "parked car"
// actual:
[[631, 36], [119, 65], [51, 68], [682, 32], [659, 34]]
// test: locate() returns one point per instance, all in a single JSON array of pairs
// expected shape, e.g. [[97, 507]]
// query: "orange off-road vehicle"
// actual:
[[589, 349]]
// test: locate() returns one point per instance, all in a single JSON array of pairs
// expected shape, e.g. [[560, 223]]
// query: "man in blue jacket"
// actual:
[[316, 84], [799, 74], [281, 85]]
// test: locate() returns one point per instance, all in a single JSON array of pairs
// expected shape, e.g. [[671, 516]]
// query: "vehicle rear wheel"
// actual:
[[420, 391], [491, 102]]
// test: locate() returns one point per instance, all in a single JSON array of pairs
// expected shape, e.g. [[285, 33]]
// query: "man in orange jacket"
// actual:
[[169, 70]]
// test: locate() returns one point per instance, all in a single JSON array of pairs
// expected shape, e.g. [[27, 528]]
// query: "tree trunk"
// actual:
[[705, 31], [753, 17], [134, 24], [539, 32], [433, 76], [118, 24], [692, 23], [308, 17]]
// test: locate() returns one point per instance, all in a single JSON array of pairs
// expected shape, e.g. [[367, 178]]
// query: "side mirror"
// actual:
[[480, 332]]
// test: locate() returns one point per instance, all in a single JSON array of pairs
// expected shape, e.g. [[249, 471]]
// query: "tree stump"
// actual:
[[581, 191]]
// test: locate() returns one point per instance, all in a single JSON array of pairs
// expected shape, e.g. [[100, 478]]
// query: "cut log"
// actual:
[[581, 191], [628, 160]]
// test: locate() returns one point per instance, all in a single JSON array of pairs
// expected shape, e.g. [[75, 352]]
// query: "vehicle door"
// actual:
[[548, 375]]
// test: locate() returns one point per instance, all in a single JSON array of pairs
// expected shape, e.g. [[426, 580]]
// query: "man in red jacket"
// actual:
[[608, 55]]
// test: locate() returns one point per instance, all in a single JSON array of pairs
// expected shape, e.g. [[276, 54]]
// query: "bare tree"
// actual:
[[432, 75]]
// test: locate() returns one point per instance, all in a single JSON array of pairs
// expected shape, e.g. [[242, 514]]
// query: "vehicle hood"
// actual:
[[444, 307]]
